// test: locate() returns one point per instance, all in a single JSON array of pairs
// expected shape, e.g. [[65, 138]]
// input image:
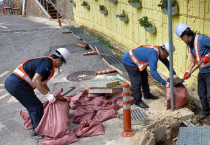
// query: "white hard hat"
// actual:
[[167, 47], [64, 53], [180, 29]]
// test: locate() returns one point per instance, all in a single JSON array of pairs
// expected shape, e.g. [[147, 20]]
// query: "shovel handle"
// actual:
[[72, 88], [195, 68]]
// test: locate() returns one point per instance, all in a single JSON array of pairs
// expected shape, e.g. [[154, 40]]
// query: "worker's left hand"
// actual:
[[51, 98], [205, 59]]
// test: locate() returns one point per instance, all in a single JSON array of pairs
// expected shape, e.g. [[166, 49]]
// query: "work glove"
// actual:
[[50, 98], [167, 85], [186, 75], [205, 59]]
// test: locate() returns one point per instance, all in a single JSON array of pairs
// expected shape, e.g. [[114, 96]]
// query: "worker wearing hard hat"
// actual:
[[34, 74], [199, 50], [136, 62]]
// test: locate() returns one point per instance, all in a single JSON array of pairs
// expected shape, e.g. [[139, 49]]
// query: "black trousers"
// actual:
[[204, 91], [26, 96], [139, 79]]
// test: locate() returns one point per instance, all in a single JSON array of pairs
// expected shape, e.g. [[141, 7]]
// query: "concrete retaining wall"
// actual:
[[34, 10]]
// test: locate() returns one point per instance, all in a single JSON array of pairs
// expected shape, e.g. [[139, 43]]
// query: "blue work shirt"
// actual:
[[42, 66], [147, 55], [204, 47]]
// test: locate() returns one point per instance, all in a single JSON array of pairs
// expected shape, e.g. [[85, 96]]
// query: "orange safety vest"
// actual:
[[22, 74], [197, 53], [140, 64]]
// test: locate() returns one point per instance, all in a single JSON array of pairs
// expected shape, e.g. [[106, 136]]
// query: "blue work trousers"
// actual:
[[26, 96], [204, 91], [139, 79]]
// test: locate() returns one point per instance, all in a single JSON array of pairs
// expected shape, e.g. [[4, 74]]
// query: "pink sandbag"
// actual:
[[55, 121], [55, 125], [103, 115], [78, 99], [89, 128], [27, 120], [83, 113], [181, 97], [64, 140]]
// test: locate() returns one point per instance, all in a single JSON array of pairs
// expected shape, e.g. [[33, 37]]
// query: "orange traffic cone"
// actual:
[[126, 112], [59, 21], [90, 53], [106, 71], [84, 46], [25, 12], [3, 10]]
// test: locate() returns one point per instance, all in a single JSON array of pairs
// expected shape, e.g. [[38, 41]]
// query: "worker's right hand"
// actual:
[[51, 98], [186, 75], [205, 59]]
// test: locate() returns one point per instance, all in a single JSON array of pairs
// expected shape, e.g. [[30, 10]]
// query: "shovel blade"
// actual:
[[181, 81]]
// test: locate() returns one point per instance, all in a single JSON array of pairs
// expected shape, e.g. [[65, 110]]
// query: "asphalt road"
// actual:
[[21, 39]]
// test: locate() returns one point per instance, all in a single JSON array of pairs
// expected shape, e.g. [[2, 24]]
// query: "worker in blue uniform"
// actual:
[[199, 50], [33, 74], [136, 62]]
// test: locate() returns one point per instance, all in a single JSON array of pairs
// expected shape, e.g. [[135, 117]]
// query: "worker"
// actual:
[[33, 74], [199, 50], [136, 62]]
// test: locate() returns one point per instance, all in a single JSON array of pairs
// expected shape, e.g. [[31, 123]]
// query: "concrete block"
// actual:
[[114, 89], [100, 83]]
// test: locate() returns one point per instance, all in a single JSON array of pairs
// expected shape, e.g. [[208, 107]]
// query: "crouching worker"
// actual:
[[136, 62], [33, 74]]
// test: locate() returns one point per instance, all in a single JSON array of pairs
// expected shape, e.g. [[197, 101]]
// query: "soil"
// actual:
[[195, 120]]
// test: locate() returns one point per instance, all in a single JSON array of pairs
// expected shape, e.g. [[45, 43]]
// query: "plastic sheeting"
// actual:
[[181, 97]]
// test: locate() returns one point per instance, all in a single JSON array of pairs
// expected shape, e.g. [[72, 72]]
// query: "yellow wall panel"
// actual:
[[196, 8], [206, 27], [207, 10]]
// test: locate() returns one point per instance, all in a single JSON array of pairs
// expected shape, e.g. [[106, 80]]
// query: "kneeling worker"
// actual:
[[34, 74], [136, 62]]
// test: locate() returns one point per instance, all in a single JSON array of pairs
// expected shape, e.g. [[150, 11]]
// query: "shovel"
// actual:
[[195, 68]]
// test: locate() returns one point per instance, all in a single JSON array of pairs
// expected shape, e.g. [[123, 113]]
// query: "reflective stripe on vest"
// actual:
[[197, 52], [141, 65], [19, 71]]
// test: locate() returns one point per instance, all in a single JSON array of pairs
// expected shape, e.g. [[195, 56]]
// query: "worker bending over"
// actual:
[[136, 62], [34, 74]]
